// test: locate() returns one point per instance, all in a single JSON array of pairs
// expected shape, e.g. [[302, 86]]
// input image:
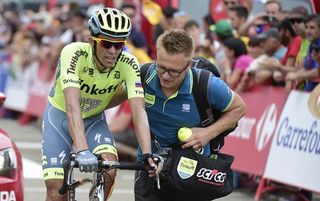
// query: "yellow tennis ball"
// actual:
[[184, 134]]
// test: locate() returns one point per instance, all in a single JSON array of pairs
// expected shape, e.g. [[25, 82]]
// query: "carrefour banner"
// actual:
[[250, 142], [294, 156]]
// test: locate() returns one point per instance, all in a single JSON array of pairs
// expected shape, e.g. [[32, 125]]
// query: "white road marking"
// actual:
[[29, 145], [31, 169], [79, 190]]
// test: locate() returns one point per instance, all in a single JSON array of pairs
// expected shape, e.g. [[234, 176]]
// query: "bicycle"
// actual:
[[97, 188]]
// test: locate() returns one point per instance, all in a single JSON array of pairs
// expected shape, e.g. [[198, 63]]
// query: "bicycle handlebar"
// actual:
[[103, 165]]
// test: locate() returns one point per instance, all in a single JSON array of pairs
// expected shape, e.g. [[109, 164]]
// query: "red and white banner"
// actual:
[[250, 142], [294, 157]]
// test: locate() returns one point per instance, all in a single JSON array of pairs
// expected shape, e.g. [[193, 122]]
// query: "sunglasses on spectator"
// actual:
[[105, 43], [173, 73], [296, 20]]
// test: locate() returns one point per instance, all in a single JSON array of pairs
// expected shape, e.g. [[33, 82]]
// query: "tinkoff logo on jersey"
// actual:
[[94, 90], [131, 62], [74, 60], [149, 99], [186, 167]]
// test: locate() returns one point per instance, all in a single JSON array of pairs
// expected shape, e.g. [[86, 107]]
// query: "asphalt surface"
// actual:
[[28, 139]]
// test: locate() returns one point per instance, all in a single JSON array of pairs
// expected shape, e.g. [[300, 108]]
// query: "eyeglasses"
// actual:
[[173, 73], [105, 43], [296, 20]]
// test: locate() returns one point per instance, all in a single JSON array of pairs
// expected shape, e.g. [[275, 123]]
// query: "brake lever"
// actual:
[[156, 160]]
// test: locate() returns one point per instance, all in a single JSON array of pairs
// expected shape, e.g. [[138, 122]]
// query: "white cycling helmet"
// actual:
[[110, 22]]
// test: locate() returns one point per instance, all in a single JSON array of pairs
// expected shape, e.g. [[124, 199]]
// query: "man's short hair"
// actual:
[[176, 41], [241, 11]]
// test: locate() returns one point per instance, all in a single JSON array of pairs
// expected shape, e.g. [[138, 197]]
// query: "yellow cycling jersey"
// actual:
[[76, 69]]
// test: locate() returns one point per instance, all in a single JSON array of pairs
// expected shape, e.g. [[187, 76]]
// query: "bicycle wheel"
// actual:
[[97, 190]]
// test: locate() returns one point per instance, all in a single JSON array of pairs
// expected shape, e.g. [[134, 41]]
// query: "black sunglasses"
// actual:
[[108, 43], [296, 20]]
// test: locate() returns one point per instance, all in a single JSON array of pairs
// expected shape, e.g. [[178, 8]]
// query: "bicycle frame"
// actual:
[[97, 189]]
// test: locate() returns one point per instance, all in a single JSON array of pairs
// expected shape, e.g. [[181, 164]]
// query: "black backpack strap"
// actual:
[[200, 94], [144, 70], [207, 114]]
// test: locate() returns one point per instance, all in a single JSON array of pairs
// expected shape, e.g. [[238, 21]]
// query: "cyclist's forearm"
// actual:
[[141, 124], [75, 121]]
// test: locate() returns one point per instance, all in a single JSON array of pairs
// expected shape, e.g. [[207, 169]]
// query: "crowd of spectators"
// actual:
[[278, 47]]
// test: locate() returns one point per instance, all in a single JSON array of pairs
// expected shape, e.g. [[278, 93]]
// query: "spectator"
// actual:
[[274, 50], [238, 15], [180, 19], [258, 54], [262, 21], [272, 8], [311, 63], [136, 37], [203, 45], [292, 41], [166, 22], [238, 60], [223, 30]]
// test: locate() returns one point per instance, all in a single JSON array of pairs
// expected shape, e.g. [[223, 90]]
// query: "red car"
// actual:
[[11, 175]]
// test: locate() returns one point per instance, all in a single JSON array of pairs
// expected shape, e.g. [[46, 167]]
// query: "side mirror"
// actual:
[[2, 99]]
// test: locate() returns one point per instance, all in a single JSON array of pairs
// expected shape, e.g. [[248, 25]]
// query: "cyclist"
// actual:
[[170, 106], [87, 77]]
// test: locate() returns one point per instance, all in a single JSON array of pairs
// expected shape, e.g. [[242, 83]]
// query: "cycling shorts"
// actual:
[[57, 142]]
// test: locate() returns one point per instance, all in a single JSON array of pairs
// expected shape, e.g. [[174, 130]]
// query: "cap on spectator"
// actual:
[[223, 28], [314, 101], [270, 33]]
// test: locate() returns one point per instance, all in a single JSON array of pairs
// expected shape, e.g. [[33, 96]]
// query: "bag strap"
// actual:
[[207, 114], [200, 94]]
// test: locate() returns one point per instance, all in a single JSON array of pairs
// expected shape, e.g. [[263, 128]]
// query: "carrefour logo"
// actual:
[[266, 127]]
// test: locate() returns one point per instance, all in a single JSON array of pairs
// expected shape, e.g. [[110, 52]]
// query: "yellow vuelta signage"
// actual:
[[149, 99], [186, 167]]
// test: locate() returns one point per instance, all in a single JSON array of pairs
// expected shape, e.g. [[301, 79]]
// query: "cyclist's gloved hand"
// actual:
[[154, 161], [87, 161]]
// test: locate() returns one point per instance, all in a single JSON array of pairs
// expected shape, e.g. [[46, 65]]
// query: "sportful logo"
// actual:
[[185, 107], [266, 126]]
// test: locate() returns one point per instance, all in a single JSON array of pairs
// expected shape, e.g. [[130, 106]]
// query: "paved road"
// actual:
[[28, 139]]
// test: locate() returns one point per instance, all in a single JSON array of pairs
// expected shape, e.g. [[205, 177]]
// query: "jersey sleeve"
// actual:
[[70, 61], [133, 80], [220, 95]]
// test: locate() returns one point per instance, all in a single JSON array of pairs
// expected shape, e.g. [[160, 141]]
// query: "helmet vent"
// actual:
[[100, 20], [109, 21], [123, 20], [116, 21]]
